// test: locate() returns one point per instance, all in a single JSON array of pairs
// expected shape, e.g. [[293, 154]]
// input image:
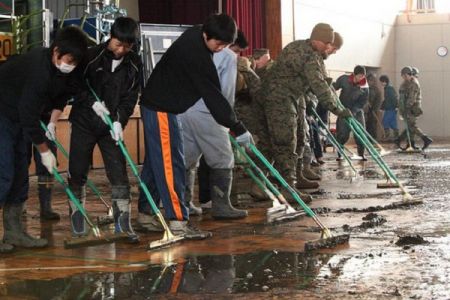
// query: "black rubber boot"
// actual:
[[426, 142], [14, 233], [122, 220], [189, 193], [45, 199], [220, 180], [361, 153], [6, 248], [77, 220]]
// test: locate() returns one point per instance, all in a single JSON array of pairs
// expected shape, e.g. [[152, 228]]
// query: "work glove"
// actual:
[[100, 109], [245, 139], [345, 113], [48, 160], [117, 132], [51, 131]]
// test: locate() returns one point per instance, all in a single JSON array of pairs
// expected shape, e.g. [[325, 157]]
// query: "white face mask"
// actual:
[[65, 68]]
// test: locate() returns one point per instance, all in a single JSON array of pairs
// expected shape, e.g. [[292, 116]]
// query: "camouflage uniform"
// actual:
[[262, 71], [247, 84], [281, 102], [372, 110], [410, 106]]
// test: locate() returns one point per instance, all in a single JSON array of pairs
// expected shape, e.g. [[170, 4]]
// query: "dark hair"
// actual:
[[125, 29], [384, 78], [70, 40], [241, 41], [220, 27], [359, 70]]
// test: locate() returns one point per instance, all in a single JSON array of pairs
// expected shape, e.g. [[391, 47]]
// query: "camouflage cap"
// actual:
[[338, 40], [322, 32], [257, 53]]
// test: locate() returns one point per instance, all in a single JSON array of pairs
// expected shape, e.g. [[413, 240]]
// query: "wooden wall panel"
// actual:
[[273, 26]]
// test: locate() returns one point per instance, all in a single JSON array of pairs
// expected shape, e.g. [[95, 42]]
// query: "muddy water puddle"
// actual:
[[220, 274]]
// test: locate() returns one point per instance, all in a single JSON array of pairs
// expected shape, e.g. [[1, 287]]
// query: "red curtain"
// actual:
[[249, 17]]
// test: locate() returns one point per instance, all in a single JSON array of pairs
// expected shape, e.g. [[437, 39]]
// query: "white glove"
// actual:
[[400, 117], [48, 160], [245, 139], [51, 131], [117, 132], [100, 109]]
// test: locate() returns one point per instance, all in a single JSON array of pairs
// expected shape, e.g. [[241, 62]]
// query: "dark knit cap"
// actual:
[[322, 32]]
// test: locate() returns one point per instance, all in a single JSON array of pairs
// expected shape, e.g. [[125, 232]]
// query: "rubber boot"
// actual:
[[122, 219], [189, 193], [257, 194], [302, 181], [77, 221], [361, 153], [394, 135], [220, 180], [387, 135], [185, 229], [426, 142], [6, 248], [310, 174], [45, 199], [307, 198], [14, 233]]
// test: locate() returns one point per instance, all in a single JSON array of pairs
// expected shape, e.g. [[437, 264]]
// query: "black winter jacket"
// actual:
[[119, 89]]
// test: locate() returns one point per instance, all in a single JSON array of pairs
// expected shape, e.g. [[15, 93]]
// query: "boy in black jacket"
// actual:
[[113, 72], [185, 73], [30, 84]]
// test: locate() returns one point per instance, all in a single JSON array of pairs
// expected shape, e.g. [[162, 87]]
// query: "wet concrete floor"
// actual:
[[250, 259]]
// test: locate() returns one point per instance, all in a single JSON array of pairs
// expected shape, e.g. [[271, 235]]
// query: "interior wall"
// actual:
[[418, 38], [132, 7], [367, 28]]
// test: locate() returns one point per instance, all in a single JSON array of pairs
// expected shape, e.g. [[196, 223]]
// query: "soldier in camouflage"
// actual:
[[261, 61], [372, 109], [410, 106], [281, 98], [247, 84]]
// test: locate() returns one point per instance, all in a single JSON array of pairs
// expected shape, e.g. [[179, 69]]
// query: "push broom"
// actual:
[[98, 238], [281, 210], [335, 143], [103, 220], [379, 160], [168, 238], [327, 239]]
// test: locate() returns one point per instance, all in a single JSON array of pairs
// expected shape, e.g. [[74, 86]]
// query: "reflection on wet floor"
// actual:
[[250, 259], [218, 274]]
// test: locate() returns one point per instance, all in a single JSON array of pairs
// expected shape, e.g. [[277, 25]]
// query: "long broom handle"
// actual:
[[133, 167], [278, 176], [335, 143], [260, 173], [75, 201], [375, 155], [325, 231], [90, 184]]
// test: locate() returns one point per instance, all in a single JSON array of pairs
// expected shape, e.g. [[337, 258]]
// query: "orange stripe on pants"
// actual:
[[164, 133]]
